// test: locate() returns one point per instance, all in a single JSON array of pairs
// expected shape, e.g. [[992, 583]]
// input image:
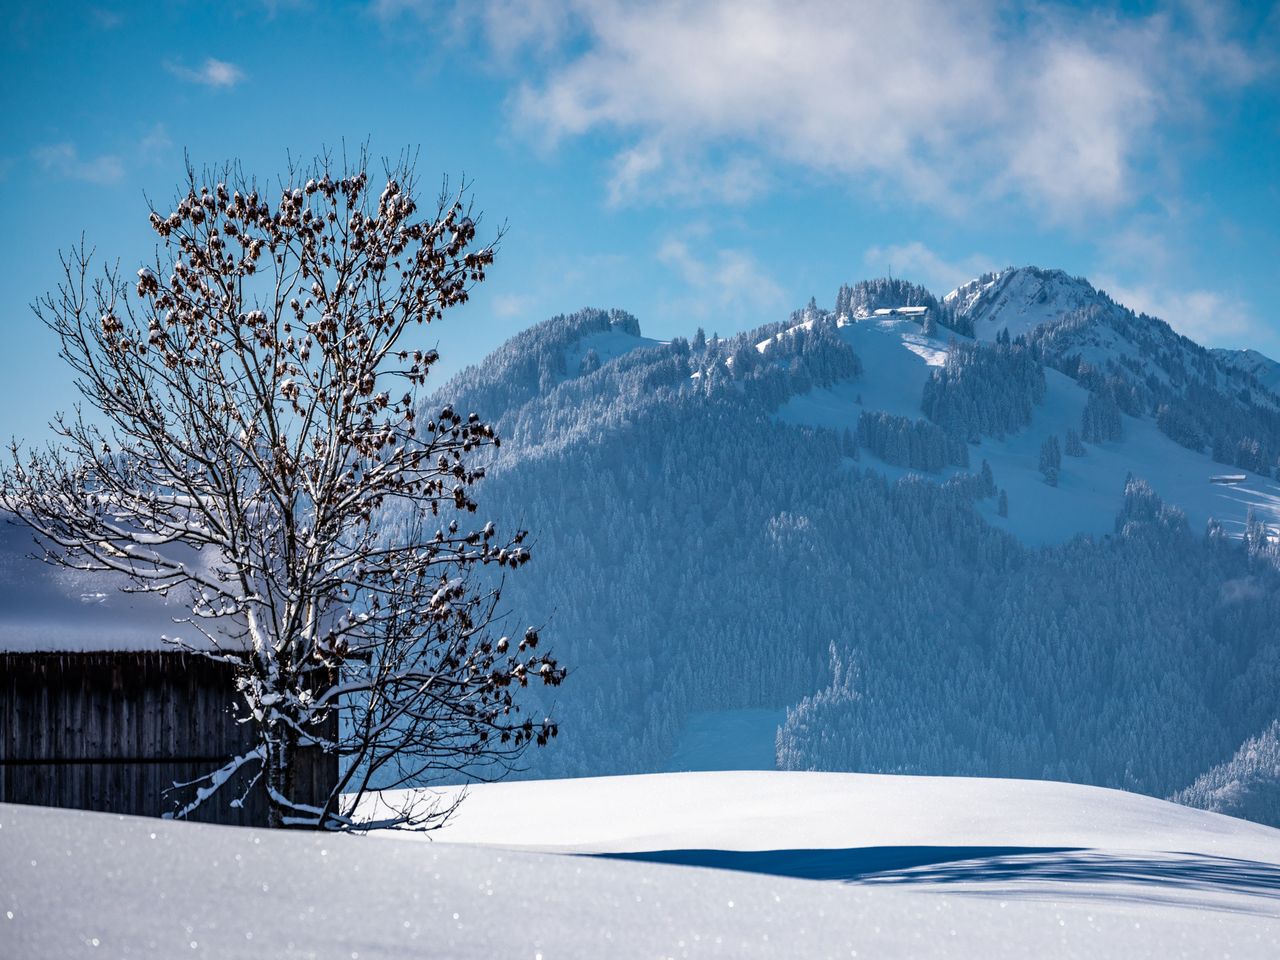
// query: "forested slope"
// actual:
[[846, 517]]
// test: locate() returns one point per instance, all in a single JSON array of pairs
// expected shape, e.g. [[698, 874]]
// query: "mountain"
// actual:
[[1253, 364], [850, 541], [1020, 300]]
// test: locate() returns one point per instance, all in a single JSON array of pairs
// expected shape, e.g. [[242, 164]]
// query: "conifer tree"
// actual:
[[1051, 459], [1073, 448], [988, 480]]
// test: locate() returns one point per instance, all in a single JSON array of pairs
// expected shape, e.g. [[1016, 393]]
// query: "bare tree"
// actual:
[[257, 443]]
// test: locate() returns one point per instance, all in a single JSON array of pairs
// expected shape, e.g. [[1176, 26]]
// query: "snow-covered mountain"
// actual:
[[1253, 364], [861, 541], [1019, 300]]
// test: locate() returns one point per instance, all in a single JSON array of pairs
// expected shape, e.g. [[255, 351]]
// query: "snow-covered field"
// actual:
[[896, 867]]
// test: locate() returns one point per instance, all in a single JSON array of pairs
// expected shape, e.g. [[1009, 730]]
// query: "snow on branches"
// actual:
[[259, 445]]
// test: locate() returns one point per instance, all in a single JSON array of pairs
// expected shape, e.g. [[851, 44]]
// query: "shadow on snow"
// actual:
[[942, 865]]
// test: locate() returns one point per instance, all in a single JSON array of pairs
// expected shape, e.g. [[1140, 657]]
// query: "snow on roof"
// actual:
[[901, 311], [46, 608]]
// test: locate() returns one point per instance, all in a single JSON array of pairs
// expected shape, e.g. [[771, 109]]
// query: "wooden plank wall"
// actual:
[[113, 731]]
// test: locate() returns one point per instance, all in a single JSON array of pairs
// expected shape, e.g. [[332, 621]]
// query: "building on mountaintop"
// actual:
[[915, 313]]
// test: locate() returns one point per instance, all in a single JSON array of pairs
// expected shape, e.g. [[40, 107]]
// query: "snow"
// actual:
[[1260, 366], [1089, 489], [893, 376], [1019, 300], [608, 345], [1247, 785], [46, 608], [897, 359], [82, 884], [900, 311], [791, 810], [763, 345]]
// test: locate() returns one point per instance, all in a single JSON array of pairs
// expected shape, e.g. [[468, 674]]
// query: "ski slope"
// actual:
[[897, 359], [911, 867], [607, 344]]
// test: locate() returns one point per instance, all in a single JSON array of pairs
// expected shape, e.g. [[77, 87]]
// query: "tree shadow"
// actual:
[[1189, 871], [978, 865], [851, 863]]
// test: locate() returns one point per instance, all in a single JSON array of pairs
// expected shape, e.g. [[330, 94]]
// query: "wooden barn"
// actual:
[[98, 712]]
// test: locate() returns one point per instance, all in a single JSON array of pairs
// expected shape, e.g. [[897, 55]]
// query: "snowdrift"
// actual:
[[958, 868]]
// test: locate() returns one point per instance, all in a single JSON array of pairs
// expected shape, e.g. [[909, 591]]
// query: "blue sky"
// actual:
[[709, 164]]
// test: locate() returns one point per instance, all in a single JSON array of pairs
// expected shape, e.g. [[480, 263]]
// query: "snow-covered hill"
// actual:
[[904, 867], [753, 810]]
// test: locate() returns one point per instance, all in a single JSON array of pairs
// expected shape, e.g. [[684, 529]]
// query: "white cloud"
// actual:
[[64, 160], [648, 172], [511, 305], [273, 7], [721, 281], [106, 19], [1207, 316], [155, 146], [1059, 107], [212, 73], [916, 262], [1091, 117], [1140, 246], [510, 26]]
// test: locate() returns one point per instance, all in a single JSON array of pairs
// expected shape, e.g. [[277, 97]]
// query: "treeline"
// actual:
[[1247, 785], [1134, 661], [1100, 420], [532, 362], [538, 399], [904, 442], [984, 389]]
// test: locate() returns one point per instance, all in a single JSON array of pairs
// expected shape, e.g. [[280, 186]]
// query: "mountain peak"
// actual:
[[1020, 299]]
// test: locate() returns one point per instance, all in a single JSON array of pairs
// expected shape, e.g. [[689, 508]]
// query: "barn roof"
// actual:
[[45, 608]]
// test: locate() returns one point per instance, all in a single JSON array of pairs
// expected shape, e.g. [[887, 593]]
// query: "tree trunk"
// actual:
[[282, 753]]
